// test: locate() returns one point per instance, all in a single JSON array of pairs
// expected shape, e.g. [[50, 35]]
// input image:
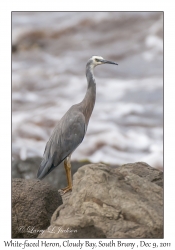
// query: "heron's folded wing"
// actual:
[[66, 137], [70, 135]]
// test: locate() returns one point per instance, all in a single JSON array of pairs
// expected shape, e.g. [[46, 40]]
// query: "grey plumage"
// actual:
[[66, 136], [71, 129]]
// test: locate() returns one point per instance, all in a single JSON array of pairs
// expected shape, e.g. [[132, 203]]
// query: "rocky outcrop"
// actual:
[[106, 202], [33, 203]]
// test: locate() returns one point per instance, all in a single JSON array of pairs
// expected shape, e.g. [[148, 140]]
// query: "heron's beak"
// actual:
[[108, 62]]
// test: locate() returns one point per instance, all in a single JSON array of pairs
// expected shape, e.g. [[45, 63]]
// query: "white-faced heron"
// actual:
[[71, 129]]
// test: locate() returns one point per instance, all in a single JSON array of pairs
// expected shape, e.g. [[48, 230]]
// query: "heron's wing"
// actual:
[[70, 135], [66, 137]]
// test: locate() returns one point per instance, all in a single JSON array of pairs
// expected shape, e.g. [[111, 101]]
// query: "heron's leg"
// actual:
[[67, 166]]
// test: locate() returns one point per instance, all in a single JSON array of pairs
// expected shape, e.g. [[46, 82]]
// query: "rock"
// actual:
[[28, 168], [106, 202], [33, 203]]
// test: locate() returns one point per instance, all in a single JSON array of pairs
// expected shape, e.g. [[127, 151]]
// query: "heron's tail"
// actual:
[[45, 168]]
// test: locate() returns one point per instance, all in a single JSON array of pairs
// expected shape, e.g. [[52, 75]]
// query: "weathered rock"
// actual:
[[106, 202], [33, 203]]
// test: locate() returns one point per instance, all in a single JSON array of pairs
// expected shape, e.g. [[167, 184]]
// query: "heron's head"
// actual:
[[98, 60]]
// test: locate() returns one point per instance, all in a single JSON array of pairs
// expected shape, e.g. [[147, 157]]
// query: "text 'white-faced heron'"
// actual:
[[71, 129]]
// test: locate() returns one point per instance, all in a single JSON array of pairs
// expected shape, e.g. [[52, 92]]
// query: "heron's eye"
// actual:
[[97, 60]]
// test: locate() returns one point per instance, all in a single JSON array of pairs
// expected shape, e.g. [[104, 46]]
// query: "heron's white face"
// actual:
[[97, 60]]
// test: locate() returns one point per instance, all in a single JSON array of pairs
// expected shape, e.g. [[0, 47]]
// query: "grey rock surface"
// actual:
[[28, 168], [33, 203], [106, 202]]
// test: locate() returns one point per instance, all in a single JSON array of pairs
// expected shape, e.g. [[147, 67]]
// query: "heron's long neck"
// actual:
[[89, 99]]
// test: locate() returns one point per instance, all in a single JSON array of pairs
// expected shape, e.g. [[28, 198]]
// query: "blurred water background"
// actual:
[[50, 51]]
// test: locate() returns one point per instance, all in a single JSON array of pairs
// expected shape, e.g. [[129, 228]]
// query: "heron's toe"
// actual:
[[66, 189]]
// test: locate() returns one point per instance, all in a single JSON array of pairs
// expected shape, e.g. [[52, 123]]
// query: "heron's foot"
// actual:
[[66, 189]]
